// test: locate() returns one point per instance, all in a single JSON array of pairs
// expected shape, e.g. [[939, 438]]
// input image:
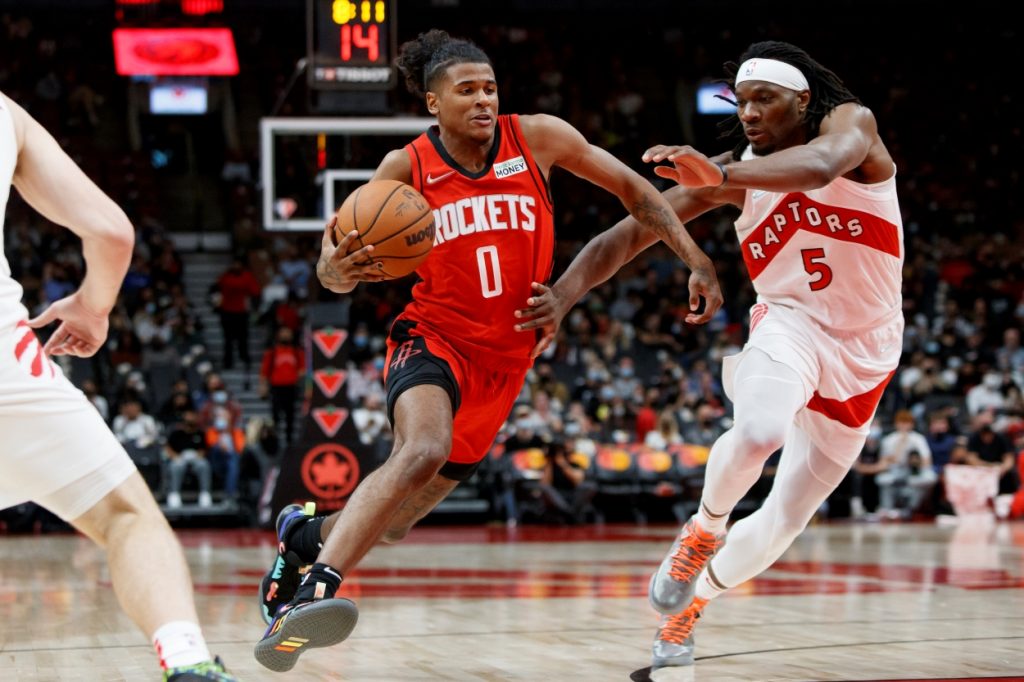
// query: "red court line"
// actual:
[[951, 679]]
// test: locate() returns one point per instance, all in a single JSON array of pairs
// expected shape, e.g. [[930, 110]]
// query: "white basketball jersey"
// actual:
[[11, 310], [834, 253]]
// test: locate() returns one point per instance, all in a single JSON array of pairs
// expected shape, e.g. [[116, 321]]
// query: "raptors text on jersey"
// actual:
[[835, 253]]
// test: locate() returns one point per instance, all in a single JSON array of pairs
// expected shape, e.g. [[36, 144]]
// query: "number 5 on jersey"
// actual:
[[490, 271], [814, 265]]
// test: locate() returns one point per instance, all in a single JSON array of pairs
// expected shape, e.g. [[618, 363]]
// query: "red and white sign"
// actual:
[[329, 380], [175, 52], [330, 419], [329, 340]]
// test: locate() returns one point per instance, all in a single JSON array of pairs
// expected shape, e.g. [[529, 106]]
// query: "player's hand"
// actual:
[[339, 270], [82, 331], [704, 284], [689, 167], [545, 312]]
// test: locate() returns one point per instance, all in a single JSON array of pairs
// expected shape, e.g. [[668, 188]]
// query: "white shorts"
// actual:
[[56, 449], [844, 373]]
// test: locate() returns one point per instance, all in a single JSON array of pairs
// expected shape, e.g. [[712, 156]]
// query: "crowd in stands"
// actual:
[[626, 368]]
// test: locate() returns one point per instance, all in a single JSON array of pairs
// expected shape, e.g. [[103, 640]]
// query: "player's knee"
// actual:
[[758, 438], [788, 527], [419, 462]]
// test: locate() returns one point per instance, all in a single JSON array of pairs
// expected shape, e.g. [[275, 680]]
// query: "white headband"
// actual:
[[772, 71]]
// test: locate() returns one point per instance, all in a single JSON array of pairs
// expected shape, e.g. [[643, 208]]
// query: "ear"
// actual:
[[803, 98], [432, 103]]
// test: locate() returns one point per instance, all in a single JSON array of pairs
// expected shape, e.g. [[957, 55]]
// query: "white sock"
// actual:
[[708, 523], [707, 587], [180, 643]]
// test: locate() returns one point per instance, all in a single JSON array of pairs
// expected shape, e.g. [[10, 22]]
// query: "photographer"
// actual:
[[564, 480]]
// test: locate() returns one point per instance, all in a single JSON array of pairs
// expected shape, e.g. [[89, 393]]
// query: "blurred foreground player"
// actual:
[[57, 450]]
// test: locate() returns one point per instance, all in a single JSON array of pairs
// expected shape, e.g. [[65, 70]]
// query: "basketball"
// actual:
[[395, 218]]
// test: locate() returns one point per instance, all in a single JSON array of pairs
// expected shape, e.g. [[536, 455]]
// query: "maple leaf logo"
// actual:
[[330, 471]]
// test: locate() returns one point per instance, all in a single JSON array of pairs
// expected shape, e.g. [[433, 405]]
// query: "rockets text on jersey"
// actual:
[[494, 236]]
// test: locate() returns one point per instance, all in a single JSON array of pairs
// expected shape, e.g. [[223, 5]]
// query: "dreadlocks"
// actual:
[[422, 60], [827, 90]]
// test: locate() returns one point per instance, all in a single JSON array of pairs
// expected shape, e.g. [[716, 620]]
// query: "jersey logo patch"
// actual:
[[510, 167]]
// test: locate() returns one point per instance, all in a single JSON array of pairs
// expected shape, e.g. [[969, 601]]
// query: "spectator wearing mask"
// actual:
[[236, 288], [371, 421], [988, 395], [186, 449], [283, 366], [221, 418], [907, 462]]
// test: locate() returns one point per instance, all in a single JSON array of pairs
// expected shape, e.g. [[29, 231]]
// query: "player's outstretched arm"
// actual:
[[600, 259], [842, 145], [50, 181]]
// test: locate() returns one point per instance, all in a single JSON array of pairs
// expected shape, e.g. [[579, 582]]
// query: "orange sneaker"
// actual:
[[673, 645], [672, 585]]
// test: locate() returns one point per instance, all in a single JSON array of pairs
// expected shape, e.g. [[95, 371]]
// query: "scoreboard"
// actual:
[[351, 44]]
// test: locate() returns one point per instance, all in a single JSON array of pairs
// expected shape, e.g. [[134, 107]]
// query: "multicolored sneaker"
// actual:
[[673, 645], [307, 625], [207, 670], [279, 584], [672, 585]]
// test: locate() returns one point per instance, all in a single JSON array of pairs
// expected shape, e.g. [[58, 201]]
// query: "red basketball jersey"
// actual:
[[494, 236]]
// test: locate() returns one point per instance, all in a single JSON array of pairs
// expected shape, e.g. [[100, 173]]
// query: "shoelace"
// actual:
[[678, 628], [692, 554]]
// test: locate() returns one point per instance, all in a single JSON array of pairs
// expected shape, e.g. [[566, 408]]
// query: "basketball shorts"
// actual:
[[57, 451], [844, 374], [481, 398]]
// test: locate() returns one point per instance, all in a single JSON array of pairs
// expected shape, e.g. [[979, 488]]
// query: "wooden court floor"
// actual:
[[846, 602]]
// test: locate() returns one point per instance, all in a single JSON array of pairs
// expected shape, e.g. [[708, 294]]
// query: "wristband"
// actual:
[[725, 173]]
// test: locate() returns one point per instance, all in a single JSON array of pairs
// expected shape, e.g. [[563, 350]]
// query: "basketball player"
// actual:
[[821, 234], [57, 450], [456, 359]]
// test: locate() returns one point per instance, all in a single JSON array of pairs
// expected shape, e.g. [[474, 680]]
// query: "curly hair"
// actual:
[[827, 90], [423, 60]]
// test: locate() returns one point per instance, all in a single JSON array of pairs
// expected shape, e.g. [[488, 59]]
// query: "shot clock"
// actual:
[[351, 44]]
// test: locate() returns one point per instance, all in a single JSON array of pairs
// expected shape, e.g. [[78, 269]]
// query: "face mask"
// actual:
[[220, 423], [378, 364], [993, 381], [875, 433], [607, 393], [219, 397], [360, 341], [626, 372]]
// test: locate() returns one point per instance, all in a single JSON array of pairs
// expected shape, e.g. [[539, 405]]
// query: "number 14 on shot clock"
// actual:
[[352, 44]]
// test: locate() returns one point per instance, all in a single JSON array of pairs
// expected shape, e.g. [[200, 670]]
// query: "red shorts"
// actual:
[[482, 398]]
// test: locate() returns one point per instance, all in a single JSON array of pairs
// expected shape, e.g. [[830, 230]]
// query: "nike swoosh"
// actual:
[[431, 180]]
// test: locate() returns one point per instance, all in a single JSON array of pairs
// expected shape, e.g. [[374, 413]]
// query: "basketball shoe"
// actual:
[[280, 582], [207, 670], [673, 645], [672, 585], [305, 623]]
